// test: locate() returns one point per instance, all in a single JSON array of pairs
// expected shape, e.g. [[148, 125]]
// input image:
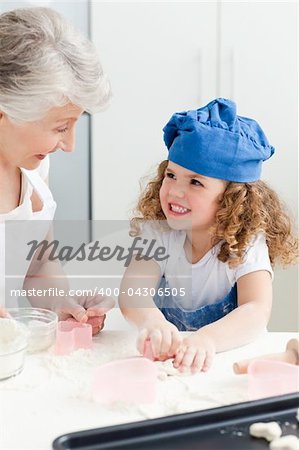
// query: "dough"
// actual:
[[267, 430], [289, 442], [166, 369]]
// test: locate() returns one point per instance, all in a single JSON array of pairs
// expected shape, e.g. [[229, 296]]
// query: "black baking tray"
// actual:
[[224, 428]]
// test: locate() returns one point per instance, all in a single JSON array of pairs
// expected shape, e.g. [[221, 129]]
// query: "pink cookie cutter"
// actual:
[[132, 380], [71, 336], [267, 378]]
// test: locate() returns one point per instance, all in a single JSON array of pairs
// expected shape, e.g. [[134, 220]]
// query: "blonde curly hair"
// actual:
[[244, 210]]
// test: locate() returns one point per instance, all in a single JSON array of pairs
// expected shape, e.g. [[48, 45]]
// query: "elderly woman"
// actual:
[[49, 75]]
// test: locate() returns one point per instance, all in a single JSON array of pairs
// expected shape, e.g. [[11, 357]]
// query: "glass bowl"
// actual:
[[12, 363], [41, 324]]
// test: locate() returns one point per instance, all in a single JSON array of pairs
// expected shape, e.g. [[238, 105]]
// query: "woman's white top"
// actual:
[[14, 266]]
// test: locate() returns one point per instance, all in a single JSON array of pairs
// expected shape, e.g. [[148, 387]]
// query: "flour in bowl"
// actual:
[[13, 344], [13, 336]]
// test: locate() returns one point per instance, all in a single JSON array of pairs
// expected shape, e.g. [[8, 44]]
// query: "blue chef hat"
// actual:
[[215, 142]]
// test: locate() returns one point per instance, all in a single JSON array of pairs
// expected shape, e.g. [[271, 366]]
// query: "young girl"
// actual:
[[225, 230]]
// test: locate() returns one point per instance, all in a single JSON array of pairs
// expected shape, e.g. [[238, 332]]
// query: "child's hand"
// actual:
[[196, 353], [164, 336]]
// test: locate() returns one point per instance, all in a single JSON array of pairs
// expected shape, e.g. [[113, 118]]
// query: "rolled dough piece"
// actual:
[[266, 430], [288, 442]]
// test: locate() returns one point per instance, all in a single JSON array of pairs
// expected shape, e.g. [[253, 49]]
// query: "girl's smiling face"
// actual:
[[25, 145], [190, 200]]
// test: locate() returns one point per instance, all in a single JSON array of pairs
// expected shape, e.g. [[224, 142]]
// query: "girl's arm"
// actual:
[[140, 309], [250, 318], [239, 327]]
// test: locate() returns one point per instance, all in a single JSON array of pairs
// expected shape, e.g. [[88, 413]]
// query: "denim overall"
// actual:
[[191, 320]]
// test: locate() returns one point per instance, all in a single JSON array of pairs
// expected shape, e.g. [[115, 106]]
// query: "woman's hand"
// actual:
[[86, 309], [195, 354], [164, 337], [3, 312]]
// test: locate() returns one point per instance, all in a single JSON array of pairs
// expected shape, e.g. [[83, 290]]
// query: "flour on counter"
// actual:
[[69, 377]]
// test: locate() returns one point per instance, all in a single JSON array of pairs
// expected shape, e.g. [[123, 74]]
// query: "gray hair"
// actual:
[[45, 62]]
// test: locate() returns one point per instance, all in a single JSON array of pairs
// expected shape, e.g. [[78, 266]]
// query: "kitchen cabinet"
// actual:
[[160, 58], [163, 57], [258, 69]]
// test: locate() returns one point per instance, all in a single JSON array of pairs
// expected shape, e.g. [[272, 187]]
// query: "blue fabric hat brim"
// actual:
[[217, 143]]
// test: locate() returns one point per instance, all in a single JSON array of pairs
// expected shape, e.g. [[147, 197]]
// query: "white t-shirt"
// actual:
[[209, 280]]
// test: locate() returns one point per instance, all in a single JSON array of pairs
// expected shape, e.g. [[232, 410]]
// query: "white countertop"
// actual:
[[52, 396]]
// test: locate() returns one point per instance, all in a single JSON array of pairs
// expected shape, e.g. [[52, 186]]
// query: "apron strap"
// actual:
[[38, 185]]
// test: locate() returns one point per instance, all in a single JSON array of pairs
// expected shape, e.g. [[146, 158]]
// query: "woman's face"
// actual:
[[190, 200], [26, 145]]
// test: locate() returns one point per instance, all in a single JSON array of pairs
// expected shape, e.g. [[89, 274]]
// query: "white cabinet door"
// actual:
[[160, 58], [258, 69]]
